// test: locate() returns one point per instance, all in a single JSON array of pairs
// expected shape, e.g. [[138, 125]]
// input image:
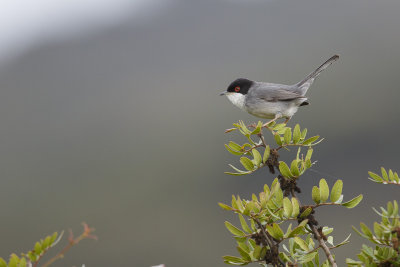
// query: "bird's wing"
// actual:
[[275, 92]]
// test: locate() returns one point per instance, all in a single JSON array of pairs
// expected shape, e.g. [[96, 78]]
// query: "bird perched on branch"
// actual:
[[271, 100]]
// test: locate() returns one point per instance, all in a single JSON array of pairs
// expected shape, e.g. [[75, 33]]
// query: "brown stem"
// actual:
[[324, 247], [270, 244], [87, 233], [60, 254], [318, 236], [40, 257]]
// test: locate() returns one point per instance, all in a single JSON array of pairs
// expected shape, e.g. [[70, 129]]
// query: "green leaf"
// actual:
[[323, 190], [257, 252], [46, 243], [303, 245], [308, 164], [237, 173], [299, 230], [234, 203], [316, 260], [278, 139], [326, 230], [257, 157], [391, 176], [284, 169], [310, 140], [38, 248], [253, 225], [296, 134], [384, 174], [284, 257], [244, 254], [375, 177], [243, 245], [233, 151], [395, 207], [244, 128], [353, 262], [22, 262], [306, 212], [224, 206], [257, 130], [232, 259], [316, 195], [263, 252], [240, 239], [287, 136], [378, 230], [396, 177], [266, 154], [309, 154], [352, 203], [3, 263], [245, 226], [236, 169], [294, 168], [32, 256], [287, 207], [296, 207], [278, 230], [249, 207], [304, 133], [275, 231], [235, 231], [235, 146], [308, 257], [279, 127], [239, 204], [247, 163], [336, 191], [389, 208], [13, 262]]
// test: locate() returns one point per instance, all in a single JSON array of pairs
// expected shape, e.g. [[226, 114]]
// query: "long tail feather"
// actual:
[[305, 84]]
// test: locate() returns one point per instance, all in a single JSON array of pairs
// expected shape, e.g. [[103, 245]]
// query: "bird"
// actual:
[[270, 100]]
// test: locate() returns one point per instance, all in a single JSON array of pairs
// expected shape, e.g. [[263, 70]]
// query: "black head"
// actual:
[[240, 85]]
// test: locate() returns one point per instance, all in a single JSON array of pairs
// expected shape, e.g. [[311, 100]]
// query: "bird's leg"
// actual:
[[277, 116], [287, 119]]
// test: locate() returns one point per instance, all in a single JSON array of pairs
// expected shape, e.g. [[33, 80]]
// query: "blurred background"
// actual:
[[110, 114]]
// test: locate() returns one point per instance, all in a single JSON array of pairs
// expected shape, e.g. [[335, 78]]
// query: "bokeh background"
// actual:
[[110, 114]]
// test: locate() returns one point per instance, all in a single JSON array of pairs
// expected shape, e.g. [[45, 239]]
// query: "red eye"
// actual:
[[237, 89]]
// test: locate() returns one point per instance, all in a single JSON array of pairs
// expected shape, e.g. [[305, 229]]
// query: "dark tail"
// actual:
[[305, 84]]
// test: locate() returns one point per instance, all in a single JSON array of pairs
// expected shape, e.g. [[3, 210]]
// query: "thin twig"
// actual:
[[270, 243], [323, 246], [87, 233], [386, 182]]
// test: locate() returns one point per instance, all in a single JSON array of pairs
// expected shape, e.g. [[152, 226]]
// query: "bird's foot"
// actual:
[[286, 121]]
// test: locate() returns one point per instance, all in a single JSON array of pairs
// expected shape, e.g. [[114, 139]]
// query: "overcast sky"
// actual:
[[25, 24]]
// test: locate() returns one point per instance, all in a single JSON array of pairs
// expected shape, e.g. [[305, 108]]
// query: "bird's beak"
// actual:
[[223, 93]]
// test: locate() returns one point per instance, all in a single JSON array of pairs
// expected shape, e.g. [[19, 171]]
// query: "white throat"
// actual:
[[237, 99]]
